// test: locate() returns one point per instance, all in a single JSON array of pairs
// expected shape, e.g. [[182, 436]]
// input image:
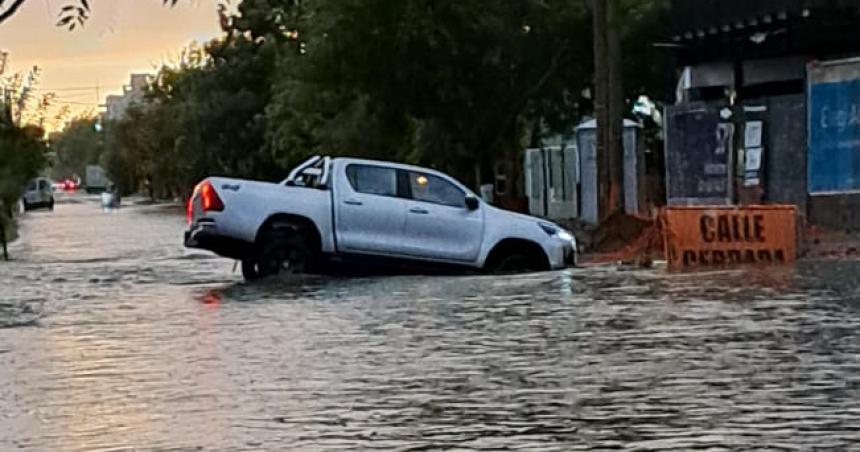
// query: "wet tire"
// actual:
[[24, 206], [249, 270], [282, 253], [513, 263], [51, 205]]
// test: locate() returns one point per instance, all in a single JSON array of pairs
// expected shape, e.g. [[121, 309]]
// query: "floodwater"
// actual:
[[114, 337]]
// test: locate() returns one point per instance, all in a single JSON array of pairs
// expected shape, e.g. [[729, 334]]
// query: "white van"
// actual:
[[39, 193]]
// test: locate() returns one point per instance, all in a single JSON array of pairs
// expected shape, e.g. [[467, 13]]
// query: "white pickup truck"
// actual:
[[331, 211]]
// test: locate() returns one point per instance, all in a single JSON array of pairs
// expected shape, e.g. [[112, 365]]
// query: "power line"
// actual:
[[71, 102], [74, 96], [73, 88]]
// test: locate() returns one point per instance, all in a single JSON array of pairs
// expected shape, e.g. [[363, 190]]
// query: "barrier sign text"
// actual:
[[729, 236]]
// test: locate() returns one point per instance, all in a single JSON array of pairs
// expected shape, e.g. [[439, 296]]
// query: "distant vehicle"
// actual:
[[96, 180], [347, 210], [70, 185], [38, 194], [65, 185]]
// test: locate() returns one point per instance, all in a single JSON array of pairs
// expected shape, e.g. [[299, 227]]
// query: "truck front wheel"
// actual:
[[514, 263]]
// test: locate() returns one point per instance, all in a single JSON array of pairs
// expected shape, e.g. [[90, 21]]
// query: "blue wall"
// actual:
[[834, 137]]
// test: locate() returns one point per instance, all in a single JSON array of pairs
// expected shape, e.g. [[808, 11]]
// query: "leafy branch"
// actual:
[[74, 15], [11, 10]]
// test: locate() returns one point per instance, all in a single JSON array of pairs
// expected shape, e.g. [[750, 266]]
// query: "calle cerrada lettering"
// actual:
[[740, 238]]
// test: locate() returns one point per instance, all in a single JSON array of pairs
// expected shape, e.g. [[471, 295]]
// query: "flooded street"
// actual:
[[115, 337]]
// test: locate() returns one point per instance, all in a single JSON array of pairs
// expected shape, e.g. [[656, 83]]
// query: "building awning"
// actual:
[[696, 19]]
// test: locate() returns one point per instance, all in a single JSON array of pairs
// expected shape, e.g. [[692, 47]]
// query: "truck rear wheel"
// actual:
[[249, 270], [283, 252]]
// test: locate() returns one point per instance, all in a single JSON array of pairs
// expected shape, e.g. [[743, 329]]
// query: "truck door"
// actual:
[[438, 223], [370, 217]]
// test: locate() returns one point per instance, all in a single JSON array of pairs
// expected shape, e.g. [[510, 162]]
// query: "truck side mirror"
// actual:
[[472, 203]]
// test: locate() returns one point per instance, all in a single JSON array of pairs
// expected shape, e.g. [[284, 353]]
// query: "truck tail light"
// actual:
[[211, 200], [208, 197]]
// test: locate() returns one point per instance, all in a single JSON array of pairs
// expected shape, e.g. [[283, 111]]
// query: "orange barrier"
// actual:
[[729, 236]]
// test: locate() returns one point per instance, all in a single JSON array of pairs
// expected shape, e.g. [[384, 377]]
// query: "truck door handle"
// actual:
[[419, 211], [353, 202]]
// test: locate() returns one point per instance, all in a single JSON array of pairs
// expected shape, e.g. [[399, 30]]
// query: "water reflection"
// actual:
[[210, 297]]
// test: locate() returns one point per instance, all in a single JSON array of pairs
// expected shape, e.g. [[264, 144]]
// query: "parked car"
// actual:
[[38, 194], [349, 210]]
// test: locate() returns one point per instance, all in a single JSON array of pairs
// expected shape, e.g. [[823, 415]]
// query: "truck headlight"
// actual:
[[555, 231], [566, 236]]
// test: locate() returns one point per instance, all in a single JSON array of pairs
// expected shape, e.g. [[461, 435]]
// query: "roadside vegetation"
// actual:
[[461, 86], [22, 157], [23, 150]]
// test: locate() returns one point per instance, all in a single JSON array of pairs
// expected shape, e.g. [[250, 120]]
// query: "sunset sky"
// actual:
[[121, 37]]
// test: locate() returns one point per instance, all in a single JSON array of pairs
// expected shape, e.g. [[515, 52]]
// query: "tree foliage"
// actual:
[[446, 83], [22, 149], [79, 145], [22, 157], [452, 84]]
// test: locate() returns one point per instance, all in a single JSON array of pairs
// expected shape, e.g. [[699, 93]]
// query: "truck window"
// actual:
[[43, 185], [434, 189], [372, 180], [31, 186]]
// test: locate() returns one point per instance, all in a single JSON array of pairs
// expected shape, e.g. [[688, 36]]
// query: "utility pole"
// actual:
[[608, 107]]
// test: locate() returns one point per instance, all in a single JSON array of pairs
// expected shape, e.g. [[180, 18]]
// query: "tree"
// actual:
[[22, 150], [79, 144], [22, 157], [452, 84], [202, 116], [455, 85]]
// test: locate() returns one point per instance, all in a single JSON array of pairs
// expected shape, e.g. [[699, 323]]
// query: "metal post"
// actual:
[[3, 238]]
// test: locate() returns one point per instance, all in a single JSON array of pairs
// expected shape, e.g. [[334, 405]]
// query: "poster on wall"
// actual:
[[752, 167], [699, 155], [834, 127], [753, 133], [753, 159]]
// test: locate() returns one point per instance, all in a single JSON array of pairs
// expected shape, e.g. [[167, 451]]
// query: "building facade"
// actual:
[[768, 106], [117, 105]]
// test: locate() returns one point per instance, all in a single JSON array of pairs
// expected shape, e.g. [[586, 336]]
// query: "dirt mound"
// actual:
[[621, 238]]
